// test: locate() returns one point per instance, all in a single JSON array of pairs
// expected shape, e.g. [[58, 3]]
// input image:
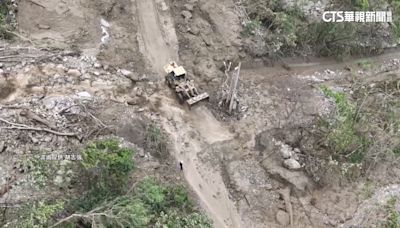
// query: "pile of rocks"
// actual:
[[290, 156]]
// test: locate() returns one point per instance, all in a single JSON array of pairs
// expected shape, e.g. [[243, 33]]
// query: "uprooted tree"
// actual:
[[229, 89]]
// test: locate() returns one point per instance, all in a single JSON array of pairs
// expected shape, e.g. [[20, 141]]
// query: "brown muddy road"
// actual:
[[159, 44]]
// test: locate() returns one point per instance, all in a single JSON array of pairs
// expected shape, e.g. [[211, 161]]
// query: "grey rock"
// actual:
[[97, 65], [74, 72], [133, 101], [85, 76], [286, 152], [41, 26], [126, 72], [194, 30], [141, 152], [282, 217], [61, 68], [188, 7], [84, 95], [34, 140], [143, 78], [186, 14], [48, 139], [291, 164], [296, 178]]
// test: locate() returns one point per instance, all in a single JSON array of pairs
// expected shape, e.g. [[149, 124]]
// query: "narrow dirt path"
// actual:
[[158, 45], [188, 141], [158, 42]]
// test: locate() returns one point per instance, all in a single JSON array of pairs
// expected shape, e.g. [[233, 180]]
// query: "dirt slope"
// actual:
[[188, 142], [208, 185], [158, 41]]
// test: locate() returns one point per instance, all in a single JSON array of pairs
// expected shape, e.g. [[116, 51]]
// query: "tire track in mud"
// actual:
[[158, 45], [204, 179]]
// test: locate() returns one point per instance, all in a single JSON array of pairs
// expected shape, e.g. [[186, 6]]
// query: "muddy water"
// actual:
[[300, 66], [209, 127]]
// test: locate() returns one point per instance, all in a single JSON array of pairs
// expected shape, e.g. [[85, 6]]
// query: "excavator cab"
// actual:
[[185, 89]]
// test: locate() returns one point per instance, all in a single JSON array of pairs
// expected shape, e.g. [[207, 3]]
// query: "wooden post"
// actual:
[[234, 88]]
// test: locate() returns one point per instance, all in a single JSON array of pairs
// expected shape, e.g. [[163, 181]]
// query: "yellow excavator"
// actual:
[[185, 89]]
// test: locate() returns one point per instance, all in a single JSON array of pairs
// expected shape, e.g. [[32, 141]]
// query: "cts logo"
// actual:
[[333, 16]]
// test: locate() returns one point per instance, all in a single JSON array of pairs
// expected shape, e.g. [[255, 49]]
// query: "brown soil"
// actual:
[[232, 165]]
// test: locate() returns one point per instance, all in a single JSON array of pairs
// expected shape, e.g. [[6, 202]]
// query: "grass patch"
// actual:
[[396, 20], [368, 190], [343, 137], [365, 64], [362, 4], [40, 214], [4, 26], [396, 151], [393, 219]]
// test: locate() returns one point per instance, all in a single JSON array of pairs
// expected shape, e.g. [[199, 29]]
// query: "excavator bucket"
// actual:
[[194, 100]]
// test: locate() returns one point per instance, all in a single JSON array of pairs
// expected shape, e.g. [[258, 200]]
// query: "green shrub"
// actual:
[[396, 150], [151, 204], [4, 34], [177, 196], [287, 31], [152, 194], [40, 214], [156, 141], [159, 197], [396, 20], [40, 172], [124, 212], [174, 219], [147, 204], [108, 168], [251, 27], [365, 64], [368, 190], [362, 4], [343, 137], [393, 220], [110, 164]]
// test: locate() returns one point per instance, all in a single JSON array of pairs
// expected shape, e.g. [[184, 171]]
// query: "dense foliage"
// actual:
[[112, 199], [287, 30]]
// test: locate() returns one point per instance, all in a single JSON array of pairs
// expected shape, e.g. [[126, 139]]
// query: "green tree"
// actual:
[[109, 164], [40, 214], [108, 168]]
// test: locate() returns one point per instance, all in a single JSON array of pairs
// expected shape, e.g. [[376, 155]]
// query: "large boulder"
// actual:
[[297, 179]]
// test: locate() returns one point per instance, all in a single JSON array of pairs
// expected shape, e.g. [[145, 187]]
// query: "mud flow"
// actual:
[[313, 142]]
